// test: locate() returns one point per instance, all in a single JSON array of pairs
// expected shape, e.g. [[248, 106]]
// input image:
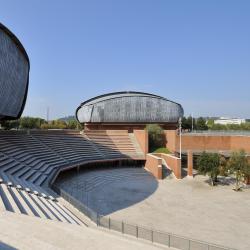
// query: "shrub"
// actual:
[[156, 137], [162, 150]]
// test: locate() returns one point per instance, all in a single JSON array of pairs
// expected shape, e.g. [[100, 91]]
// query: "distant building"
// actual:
[[226, 121]]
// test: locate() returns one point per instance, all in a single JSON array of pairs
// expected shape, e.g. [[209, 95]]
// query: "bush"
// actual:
[[156, 137], [162, 150]]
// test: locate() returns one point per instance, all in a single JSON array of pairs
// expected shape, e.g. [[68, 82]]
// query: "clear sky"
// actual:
[[196, 53]]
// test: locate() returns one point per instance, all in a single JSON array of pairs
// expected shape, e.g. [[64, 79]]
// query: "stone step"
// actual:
[[67, 214], [10, 198], [54, 211], [32, 205], [24, 208], [42, 207]]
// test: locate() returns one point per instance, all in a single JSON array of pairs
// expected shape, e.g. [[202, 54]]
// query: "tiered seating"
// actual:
[[90, 180], [28, 161], [18, 200], [31, 159], [71, 145], [112, 142]]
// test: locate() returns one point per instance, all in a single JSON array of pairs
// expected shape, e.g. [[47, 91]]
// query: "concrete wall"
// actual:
[[154, 165], [142, 138]]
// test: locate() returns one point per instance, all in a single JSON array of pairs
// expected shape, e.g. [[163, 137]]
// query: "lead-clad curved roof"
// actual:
[[129, 107], [14, 75]]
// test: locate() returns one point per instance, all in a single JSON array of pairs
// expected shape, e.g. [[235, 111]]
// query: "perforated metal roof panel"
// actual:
[[129, 107], [14, 75]]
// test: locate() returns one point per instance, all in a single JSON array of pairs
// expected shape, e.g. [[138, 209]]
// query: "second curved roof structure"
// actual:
[[129, 107]]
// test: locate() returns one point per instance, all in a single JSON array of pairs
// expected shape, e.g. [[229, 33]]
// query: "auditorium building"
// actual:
[[128, 110]]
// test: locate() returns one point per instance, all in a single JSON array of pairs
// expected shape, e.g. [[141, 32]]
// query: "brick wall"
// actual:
[[154, 165], [173, 163], [207, 142], [142, 138]]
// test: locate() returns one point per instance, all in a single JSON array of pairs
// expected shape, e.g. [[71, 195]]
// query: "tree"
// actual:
[[218, 127], [201, 124], [223, 169], [187, 123], [31, 122], [156, 137], [209, 163], [54, 124], [10, 124], [73, 124], [239, 166], [210, 123], [246, 173]]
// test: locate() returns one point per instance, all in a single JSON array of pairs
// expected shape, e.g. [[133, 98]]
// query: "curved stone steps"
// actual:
[[19, 201]]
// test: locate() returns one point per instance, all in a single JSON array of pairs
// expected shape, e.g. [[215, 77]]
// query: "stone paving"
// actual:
[[187, 207]]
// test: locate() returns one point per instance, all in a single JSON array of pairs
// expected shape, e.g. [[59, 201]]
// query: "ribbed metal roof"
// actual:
[[14, 78], [129, 107], [16, 41]]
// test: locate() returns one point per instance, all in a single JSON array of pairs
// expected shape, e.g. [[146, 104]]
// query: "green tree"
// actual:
[[187, 123], [54, 124], [210, 123], [223, 169], [218, 127], [10, 124], [31, 122], [209, 163], [156, 137], [201, 124], [246, 173], [239, 166]]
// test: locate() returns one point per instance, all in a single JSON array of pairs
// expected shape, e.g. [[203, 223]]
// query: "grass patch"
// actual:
[[162, 150]]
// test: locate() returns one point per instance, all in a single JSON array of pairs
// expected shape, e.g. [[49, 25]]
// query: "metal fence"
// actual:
[[154, 236]]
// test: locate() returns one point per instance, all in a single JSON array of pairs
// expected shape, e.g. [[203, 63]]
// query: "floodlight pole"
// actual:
[[192, 122], [180, 134]]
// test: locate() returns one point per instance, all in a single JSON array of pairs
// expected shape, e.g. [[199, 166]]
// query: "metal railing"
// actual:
[[140, 232]]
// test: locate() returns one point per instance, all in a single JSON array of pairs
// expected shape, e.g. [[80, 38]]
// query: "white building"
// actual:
[[225, 121]]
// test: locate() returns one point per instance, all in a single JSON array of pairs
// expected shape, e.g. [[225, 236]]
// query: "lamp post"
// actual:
[[180, 134], [192, 122]]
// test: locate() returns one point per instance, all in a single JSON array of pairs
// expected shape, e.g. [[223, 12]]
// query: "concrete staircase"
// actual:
[[23, 201]]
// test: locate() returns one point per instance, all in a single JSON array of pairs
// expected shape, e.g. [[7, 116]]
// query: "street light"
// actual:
[[180, 134]]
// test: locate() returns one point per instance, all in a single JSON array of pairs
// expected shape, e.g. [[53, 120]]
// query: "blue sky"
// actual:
[[194, 52]]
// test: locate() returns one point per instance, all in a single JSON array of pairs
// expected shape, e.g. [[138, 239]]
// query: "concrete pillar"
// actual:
[[190, 163]]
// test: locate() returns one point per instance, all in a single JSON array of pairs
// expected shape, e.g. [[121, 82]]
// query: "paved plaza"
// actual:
[[187, 207]]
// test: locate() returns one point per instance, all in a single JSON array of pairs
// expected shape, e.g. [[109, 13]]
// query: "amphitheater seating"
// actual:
[[29, 160], [18, 200], [91, 180], [112, 142]]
